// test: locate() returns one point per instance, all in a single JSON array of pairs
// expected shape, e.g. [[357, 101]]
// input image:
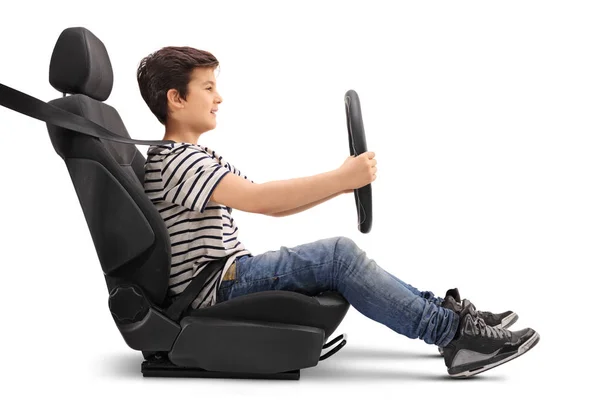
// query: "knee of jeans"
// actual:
[[345, 253], [344, 244], [345, 249]]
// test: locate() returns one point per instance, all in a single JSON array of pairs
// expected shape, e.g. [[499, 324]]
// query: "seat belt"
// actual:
[[192, 290], [38, 109]]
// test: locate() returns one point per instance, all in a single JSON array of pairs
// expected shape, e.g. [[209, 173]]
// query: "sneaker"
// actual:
[[502, 320], [478, 347]]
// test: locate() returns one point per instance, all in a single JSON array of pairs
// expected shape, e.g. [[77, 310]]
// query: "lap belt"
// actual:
[[38, 109], [192, 290]]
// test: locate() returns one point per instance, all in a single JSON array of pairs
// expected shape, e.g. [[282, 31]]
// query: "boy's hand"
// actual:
[[358, 171]]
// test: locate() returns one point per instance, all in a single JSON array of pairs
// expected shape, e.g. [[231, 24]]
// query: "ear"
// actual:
[[174, 99]]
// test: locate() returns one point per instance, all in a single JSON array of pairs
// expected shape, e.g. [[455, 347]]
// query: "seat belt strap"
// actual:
[[192, 290], [38, 109]]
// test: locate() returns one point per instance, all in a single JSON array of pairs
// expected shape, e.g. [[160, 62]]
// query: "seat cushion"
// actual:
[[324, 311]]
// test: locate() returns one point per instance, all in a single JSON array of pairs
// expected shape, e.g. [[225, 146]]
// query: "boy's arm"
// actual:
[[277, 196], [305, 207]]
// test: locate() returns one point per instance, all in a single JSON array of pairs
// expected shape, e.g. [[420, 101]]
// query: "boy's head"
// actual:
[[179, 86]]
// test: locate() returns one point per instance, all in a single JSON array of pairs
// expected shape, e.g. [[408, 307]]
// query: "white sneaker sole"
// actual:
[[509, 320]]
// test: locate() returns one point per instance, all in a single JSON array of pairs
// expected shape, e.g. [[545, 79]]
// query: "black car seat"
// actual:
[[269, 334]]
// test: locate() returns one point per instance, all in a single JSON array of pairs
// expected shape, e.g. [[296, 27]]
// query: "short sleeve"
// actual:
[[237, 172], [190, 177]]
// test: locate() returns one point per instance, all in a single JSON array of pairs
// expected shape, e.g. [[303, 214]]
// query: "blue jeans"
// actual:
[[338, 264]]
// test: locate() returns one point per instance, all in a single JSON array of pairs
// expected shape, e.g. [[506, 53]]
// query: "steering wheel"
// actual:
[[358, 145]]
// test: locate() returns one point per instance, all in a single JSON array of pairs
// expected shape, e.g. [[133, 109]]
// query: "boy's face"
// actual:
[[198, 111]]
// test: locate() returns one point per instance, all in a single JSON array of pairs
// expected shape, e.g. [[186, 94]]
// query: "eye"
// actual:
[[209, 88]]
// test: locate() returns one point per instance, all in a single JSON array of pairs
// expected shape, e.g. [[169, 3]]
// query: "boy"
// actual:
[[195, 190]]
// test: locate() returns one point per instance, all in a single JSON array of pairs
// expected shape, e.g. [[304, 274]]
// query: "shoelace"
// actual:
[[489, 331], [484, 329]]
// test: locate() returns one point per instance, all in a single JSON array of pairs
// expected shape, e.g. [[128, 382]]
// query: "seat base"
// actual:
[[164, 368]]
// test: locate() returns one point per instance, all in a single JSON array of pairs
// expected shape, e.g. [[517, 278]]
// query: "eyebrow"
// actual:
[[211, 82]]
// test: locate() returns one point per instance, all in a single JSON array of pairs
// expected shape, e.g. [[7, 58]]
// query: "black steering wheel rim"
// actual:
[[358, 145]]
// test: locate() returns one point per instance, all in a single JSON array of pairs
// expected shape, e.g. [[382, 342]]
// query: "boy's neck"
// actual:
[[181, 138], [180, 133]]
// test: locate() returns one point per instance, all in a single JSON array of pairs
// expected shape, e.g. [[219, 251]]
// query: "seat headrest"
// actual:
[[80, 65]]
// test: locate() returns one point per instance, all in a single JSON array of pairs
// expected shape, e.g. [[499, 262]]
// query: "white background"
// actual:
[[484, 119]]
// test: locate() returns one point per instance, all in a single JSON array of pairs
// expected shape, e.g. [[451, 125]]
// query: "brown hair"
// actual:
[[169, 68]]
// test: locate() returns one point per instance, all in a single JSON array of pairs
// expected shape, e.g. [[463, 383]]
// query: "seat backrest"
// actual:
[[130, 237]]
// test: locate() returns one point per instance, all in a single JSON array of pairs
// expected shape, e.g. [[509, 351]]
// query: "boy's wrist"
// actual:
[[338, 181]]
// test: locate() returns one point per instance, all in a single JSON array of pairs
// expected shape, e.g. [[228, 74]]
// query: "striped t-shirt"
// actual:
[[179, 179]]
